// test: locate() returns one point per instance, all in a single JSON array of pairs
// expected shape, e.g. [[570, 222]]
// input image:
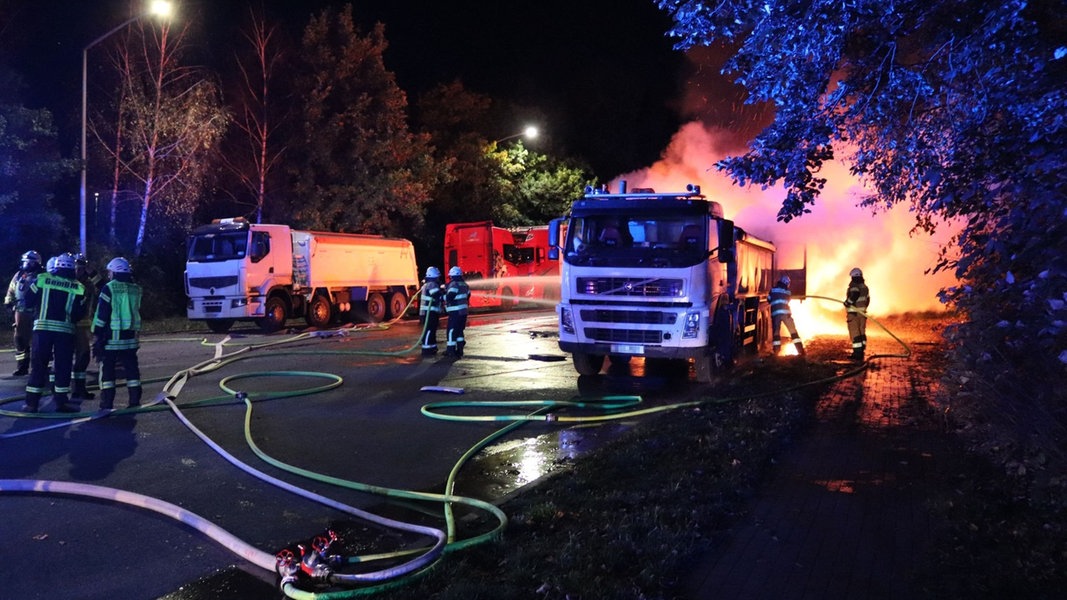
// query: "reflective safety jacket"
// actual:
[[59, 301], [457, 296], [16, 290], [779, 298], [857, 296], [431, 297], [118, 315]]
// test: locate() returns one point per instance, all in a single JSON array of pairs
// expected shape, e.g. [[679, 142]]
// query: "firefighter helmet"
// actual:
[[855, 272], [50, 266], [80, 260], [433, 273], [119, 265], [455, 272], [64, 262], [31, 258], [784, 280]]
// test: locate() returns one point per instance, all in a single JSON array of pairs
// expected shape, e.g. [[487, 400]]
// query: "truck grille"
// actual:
[[630, 286], [624, 336], [213, 282], [650, 317]]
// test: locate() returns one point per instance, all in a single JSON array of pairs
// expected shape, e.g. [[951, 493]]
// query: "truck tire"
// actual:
[[376, 308], [587, 364], [320, 312], [398, 303], [219, 325], [508, 301], [275, 314]]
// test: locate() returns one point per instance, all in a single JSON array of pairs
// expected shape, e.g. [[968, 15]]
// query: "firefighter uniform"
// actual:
[[857, 298], [457, 299], [431, 302], [115, 328], [60, 301], [15, 299], [782, 315], [90, 279]]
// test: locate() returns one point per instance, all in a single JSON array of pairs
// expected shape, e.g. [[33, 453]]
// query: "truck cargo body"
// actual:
[[268, 273], [660, 276], [503, 266]]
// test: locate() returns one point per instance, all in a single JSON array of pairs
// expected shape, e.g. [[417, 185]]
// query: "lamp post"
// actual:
[[529, 133], [160, 8]]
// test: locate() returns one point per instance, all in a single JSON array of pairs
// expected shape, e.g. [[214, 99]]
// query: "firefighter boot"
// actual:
[[800, 348], [22, 368], [107, 399], [857, 354], [80, 391], [33, 401], [63, 405], [135, 396]]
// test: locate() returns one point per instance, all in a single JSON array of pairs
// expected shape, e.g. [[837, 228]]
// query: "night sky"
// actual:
[[601, 74]]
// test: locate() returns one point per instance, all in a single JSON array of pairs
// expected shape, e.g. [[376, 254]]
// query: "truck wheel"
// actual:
[[275, 314], [587, 364], [398, 302], [376, 308], [508, 301], [320, 312], [219, 325]]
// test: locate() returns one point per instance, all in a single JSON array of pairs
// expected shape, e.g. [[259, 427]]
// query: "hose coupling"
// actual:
[[313, 564], [240, 396]]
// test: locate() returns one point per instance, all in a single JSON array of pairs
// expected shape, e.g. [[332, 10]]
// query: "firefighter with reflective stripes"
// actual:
[[857, 299], [781, 315], [457, 298], [115, 328], [60, 301], [15, 299], [431, 300]]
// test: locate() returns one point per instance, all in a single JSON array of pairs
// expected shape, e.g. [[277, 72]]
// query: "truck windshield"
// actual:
[[214, 247], [640, 240]]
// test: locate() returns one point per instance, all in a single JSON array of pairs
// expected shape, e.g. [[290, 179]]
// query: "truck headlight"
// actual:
[[238, 302], [566, 320], [692, 325]]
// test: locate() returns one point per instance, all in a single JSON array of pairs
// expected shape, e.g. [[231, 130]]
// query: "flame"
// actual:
[[837, 235]]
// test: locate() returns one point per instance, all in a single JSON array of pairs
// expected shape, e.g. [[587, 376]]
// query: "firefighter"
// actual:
[[90, 280], [29, 268], [60, 301], [115, 328], [430, 307], [857, 299], [782, 315], [457, 297]]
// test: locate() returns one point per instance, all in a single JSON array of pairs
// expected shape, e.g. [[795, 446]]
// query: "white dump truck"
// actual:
[[236, 270], [662, 276]]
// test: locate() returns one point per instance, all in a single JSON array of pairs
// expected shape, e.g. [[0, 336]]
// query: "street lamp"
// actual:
[[159, 8], [529, 133]]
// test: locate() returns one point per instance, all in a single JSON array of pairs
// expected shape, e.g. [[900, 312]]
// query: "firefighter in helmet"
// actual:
[[90, 280], [115, 329], [60, 301], [457, 298], [782, 315], [29, 268], [857, 299], [430, 306]]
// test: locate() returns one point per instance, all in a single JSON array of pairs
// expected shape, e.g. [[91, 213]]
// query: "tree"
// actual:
[[956, 110], [30, 168], [358, 167], [257, 149], [168, 122], [533, 188]]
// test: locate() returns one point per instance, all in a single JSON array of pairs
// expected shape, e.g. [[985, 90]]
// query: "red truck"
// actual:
[[503, 266]]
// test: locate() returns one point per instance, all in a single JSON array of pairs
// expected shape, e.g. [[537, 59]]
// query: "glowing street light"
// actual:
[[158, 8], [531, 132]]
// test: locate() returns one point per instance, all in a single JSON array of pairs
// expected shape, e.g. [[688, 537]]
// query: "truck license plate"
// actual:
[[627, 349], [212, 308]]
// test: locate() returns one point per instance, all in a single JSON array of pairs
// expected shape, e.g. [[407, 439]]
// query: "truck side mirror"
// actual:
[[727, 242], [553, 239]]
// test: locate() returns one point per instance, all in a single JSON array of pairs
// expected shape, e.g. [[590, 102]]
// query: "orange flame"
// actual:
[[837, 235]]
